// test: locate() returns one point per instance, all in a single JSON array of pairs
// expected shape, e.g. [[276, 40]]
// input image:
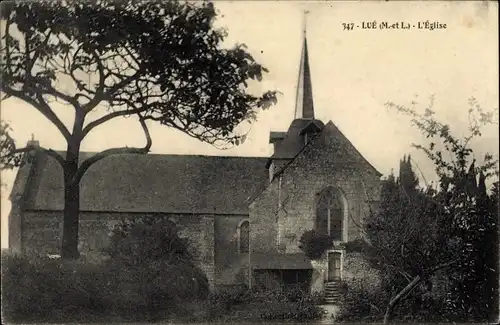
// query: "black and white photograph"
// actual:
[[249, 162]]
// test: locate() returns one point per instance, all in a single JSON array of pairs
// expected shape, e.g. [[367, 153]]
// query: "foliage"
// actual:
[[161, 265], [123, 287], [148, 238], [474, 294], [155, 290], [314, 244], [159, 61], [41, 289], [362, 303], [417, 232], [240, 303], [470, 213], [8, 157], [296, 311], [405, 234]]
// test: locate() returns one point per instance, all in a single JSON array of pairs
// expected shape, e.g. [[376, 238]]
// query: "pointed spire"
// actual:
[[304, 107]]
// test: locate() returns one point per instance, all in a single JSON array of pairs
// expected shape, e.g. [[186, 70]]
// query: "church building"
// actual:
[[244, 215]]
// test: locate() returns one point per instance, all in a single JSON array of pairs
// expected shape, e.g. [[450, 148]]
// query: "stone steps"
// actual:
[[332, 293]]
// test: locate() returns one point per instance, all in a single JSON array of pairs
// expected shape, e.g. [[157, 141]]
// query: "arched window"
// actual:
[[244, 236], [330, 213]]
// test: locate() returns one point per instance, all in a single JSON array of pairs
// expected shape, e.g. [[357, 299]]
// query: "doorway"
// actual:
[[334, 266]]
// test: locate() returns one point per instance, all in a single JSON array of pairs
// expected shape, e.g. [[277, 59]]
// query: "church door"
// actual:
[[334, 259]]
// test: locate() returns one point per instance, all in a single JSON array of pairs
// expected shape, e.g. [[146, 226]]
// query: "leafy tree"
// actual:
[[452, 227], [405, 240], [159, 61], [417, 232], [8, 156], [407, 178]]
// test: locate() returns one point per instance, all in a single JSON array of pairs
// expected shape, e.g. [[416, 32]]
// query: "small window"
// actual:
[[244, 236]]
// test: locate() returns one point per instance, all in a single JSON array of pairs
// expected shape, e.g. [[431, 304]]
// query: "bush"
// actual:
[[160, 271], [38, 288], [362, 303], [314, 244], [128, 286], [153, 291], [145, 239], [235, 304], [302, 310], [231, 296]]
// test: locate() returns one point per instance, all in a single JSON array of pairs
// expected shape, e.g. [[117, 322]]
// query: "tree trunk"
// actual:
[[388, 312], [69, 249]]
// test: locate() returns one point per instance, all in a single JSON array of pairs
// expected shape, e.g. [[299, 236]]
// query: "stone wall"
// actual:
[[288, 205], [294, 193], [231, 266], [41, 232]]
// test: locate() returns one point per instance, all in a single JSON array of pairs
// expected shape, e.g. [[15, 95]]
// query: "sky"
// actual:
[[354, 73]]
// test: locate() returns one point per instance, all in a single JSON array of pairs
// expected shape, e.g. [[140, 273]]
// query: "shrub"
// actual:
[[123, 287], [362, 303], [153, 291], [39, 288], [302, 310], [160, 272], [314, 244], [239, 303], [145, 239], [231, 296]]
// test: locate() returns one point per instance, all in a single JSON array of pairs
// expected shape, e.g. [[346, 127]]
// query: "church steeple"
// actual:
[[304, 127], [304, 107]]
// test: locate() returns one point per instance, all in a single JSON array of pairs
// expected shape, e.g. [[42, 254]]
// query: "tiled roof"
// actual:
[[154, 184]]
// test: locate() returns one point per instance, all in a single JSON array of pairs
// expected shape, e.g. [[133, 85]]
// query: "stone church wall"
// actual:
[[327, 162], [231, 266], [41, 232], [321, 165]]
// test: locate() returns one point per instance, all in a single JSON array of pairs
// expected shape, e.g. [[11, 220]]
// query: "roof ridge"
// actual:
[[172, 155]]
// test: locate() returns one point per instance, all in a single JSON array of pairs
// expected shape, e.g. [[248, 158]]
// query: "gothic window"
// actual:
[[330, 213], [244, 236]]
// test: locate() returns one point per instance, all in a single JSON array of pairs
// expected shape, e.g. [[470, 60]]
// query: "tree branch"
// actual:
[[37, 53], [48, 152], [7, 45], [412, 285], [106, 118], [114, 151], [42, 107], [98, 96]]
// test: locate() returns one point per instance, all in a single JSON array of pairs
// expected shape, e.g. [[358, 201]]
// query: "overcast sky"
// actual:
[[353, 74]]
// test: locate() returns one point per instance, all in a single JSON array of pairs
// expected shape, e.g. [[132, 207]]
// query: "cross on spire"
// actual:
[[304, 107], [305, 22]]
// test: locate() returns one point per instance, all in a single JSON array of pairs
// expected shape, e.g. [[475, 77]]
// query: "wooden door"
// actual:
[[334, 267]]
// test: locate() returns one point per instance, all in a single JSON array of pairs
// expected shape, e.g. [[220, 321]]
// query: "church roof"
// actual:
[[154, 184], [293, 140]]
